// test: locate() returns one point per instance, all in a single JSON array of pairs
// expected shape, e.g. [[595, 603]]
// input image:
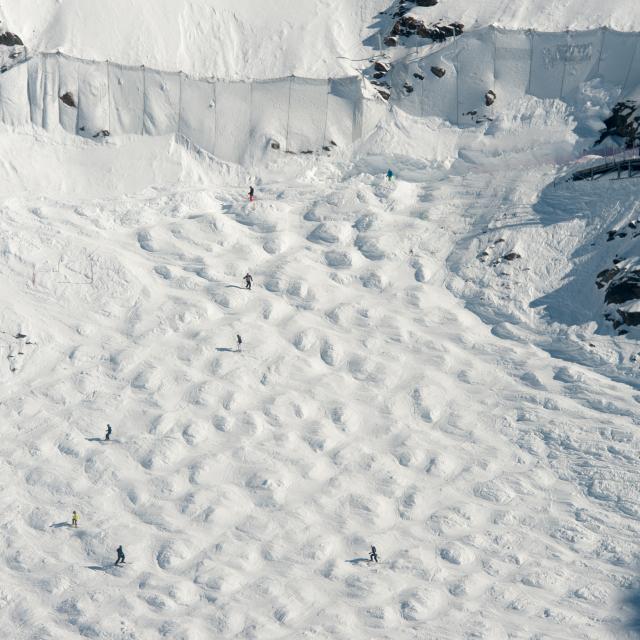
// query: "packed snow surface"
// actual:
[[426, 367], [257, 39], [371, 403]]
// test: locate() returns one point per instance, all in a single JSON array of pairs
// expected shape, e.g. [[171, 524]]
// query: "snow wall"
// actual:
[[232, 120], [512, 63]]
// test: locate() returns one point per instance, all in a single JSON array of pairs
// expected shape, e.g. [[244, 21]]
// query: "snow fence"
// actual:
[[457, 77], [464, 81], [231, 120]]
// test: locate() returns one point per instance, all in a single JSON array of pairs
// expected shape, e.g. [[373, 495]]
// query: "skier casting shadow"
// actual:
[[120, 559]]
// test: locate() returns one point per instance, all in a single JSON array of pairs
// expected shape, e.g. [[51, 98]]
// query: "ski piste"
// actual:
[[434, 366]]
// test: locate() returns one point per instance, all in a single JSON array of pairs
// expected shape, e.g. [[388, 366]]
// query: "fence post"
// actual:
[[633, 57], [178, 128], [564, 68], [326, 115], [215, 114], [421, 96], [144, 97], [286, 141], [495, 57], [457, 66], [109, 95], [531, 35], [603, 32]]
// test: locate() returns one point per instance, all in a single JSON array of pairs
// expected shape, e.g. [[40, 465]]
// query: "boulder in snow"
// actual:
[[9, 39]]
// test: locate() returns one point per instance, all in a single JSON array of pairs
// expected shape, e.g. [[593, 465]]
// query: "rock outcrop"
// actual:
[[623, 123], [9, 39]]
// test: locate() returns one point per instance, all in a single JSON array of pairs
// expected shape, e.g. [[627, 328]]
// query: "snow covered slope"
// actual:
[[220, 38], [368, 406], [426, 367]]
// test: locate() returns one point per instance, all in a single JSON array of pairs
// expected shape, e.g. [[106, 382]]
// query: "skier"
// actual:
[[389, 175], [120, 553], [239, 340], [108, 436], [74, 519], [373, 555], [248, 279], [251, 194]]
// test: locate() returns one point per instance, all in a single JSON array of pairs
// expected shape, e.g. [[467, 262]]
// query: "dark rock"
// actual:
[[622, 123], [391, 41], [384, 93], [419, 76], [439, 72], [68, 99], [382, 67], [335, 144], [104, 133], [325, 148], [378, 74], [275, 144], [490, 98], [511, 256], [426, 3], [407, 87], [618, 260], [624, 288], [632, 225], [407, 26], [630, 318], [606, 276], [9, 39]]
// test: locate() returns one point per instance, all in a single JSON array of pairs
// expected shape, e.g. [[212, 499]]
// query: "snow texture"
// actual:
[[426, 365]]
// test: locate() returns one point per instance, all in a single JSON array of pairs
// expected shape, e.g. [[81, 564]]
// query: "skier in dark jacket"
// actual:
[[248, 281], [108, 436], [120, 553], [251, 192], [373, 555], [239, 341]]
